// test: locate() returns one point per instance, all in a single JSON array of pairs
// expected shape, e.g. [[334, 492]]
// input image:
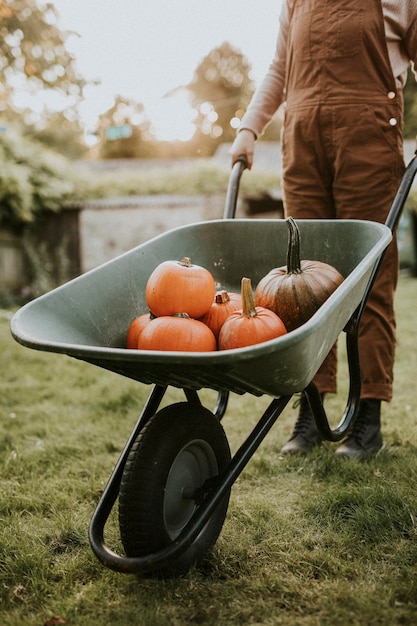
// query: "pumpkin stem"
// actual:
[[184, 315], [186, 261], [222, 297], [248, 303], [293, 251]]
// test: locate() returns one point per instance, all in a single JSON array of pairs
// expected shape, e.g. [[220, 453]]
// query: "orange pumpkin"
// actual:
[[295, 291], [224, 304], [249, 325], [135, 328], [178, 333], [180, 287]]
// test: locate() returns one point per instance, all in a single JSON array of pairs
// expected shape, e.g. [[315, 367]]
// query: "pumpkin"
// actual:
[[250, 324], [180, 287], [177, 333], [296, 291], [223, 305], [135, 328]]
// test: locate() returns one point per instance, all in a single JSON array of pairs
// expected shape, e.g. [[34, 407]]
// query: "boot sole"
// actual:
[[358, 454]]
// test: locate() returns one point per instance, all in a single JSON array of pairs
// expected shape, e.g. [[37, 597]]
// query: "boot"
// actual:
[[305, 435], [365, 440]]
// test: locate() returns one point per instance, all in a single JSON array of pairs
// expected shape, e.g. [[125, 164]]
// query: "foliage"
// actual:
[[193, 177], [33, 53], [221, 90], [59, 134], [125, 131], [316, 541], [32, 181], [34, 61]]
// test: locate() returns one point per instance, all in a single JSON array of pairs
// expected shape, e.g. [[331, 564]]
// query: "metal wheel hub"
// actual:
[[192, 466]]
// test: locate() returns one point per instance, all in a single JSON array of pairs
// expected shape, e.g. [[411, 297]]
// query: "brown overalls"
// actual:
[[342, 150]]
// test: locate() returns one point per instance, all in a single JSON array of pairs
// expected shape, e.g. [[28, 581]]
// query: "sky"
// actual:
[[143, 49]]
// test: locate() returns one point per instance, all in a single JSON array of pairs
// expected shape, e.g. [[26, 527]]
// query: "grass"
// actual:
[[310, 542]]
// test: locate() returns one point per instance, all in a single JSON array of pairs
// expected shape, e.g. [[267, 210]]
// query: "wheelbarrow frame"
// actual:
[[211, 495], [213, 491]]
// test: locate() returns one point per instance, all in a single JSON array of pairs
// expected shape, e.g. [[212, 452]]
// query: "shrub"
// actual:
[[32, 181]]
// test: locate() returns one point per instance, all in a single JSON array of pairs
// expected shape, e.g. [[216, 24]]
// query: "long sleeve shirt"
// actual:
[[400, 20]]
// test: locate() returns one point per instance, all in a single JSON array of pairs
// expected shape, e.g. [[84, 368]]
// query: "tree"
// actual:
[[33, 55], [125, 131], [221, 89], [60, 134]]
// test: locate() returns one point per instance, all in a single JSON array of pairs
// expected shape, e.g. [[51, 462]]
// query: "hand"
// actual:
[[244, 144]]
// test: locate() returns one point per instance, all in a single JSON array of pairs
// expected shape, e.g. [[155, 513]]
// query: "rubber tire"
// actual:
[[181, 447]]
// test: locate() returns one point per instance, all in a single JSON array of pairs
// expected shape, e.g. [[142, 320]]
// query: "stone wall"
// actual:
[[113, 226], [11, 261]]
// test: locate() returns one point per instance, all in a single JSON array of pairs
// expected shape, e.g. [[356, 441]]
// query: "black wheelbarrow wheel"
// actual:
[[179, 449]]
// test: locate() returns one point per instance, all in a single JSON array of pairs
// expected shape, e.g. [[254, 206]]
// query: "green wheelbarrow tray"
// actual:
[[88, 318]]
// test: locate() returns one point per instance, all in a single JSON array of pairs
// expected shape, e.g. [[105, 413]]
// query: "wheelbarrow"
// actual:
[[174, 477]]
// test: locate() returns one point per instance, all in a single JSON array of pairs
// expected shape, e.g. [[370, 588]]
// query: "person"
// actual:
[[339, 69]]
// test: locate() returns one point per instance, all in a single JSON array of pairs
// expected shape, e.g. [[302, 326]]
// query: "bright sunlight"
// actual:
[[172, 117]]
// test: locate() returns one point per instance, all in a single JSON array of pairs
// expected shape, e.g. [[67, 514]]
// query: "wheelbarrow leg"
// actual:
[[352, 404], [209, 496], [221, 404], [352, 330], [109, 496]]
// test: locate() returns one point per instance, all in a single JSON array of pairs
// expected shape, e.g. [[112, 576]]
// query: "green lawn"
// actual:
[[316, 541]]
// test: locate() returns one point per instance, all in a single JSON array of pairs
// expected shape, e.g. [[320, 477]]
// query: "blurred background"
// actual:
[[102, 100]]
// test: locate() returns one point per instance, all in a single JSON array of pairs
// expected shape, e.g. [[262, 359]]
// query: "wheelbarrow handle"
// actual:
[[391, 222], [238, 168], [402, 194], [352, 328]]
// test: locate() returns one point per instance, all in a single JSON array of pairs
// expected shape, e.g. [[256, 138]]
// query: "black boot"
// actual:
[[365, 440], [305, 435]]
